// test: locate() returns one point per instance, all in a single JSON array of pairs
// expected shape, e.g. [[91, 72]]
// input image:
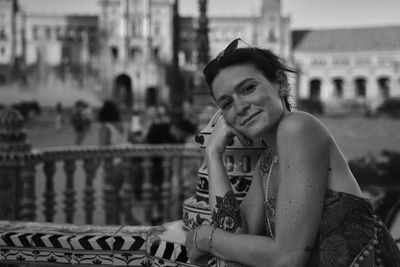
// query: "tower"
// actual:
[[272, 28], [136, 46], [10, 41]]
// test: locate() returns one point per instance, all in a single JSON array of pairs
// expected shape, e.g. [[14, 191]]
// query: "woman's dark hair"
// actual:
[[269, 64], [109, 112]]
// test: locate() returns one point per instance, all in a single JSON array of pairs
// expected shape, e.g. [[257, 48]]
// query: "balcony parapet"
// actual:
[[91, 245]]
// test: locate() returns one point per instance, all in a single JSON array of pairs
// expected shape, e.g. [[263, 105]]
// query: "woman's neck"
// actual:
[[270, 137]]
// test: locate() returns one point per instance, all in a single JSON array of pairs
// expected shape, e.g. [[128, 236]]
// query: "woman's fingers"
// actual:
[[223, 134], [215, 118]]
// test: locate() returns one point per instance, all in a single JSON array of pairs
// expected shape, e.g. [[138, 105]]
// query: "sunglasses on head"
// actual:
[[233, 45]]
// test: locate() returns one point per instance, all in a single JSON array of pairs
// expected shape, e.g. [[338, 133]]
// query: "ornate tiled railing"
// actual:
[[37, 243], [177, 162], [89, 245]]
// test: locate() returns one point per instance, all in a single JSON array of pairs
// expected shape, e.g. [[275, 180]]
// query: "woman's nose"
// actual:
[[241, 106]]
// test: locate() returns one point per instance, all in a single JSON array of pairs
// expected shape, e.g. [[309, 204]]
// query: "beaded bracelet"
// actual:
[[210, 238]]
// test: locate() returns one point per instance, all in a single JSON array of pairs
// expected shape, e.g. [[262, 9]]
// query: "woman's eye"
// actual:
[[247, 89], [226, 105]]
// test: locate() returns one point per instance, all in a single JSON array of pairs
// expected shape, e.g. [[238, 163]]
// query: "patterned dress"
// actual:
[[350, 234]]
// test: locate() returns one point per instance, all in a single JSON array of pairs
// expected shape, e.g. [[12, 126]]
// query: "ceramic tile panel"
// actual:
[[52, 248], [92, 249], [16, 246], [129, 247]]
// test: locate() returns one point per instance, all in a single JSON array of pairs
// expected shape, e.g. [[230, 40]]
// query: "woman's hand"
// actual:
[[222, 135], [196, 256]]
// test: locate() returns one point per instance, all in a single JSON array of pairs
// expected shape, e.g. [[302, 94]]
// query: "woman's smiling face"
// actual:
[[249, 101]]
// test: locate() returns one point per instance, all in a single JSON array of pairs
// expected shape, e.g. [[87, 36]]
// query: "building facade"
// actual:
[[136, 50], [121, 53], [269, 29], [10, 39], [359, 65], [125, 51]]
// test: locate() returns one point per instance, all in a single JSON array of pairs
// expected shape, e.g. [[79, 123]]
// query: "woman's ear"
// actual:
[[281, 79]]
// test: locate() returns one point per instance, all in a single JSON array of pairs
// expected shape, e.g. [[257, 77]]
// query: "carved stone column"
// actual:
[[16, 165]]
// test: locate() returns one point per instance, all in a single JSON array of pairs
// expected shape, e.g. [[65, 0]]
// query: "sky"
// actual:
[[303, 13]]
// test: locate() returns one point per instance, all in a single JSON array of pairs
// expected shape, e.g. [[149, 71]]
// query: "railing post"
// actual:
[[176, 187], [89, 166], [28, 206], [166, 189], [69, 201], [49, 169], [16, 168], [127, 192], [147, 190], [110, 198]]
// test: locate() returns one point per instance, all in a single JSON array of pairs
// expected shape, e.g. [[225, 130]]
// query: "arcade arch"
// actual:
[[151, 96], [123, 91], [360, 85], [338, 87], [384, 87], [315, 89]]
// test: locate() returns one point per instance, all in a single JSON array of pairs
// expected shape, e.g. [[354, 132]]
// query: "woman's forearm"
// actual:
[[218, 179], [225, 211], [249, 250], [223, 205]]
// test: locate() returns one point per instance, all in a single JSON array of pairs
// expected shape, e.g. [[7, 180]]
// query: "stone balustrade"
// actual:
[[19, 165], [134, 161]]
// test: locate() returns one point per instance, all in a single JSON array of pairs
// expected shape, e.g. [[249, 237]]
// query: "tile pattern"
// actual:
[[90, 245]]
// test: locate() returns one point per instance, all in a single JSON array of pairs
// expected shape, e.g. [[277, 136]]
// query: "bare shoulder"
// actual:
[[299, 123], [302, 127]]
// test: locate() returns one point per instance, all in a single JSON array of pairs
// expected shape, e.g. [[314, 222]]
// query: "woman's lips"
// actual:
[[249, 118]]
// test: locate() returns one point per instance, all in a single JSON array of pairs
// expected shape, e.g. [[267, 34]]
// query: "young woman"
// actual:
[[111, 131], [304, 206]]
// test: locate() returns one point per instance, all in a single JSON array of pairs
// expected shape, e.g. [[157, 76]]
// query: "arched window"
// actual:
[[315, 89], [384, 88], [123, 91], [338, 87], [361, 87], [151, 96], [3, 79], [114, 52]]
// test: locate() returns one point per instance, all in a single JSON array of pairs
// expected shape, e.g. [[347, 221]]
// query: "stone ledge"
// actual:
[[91, 245]]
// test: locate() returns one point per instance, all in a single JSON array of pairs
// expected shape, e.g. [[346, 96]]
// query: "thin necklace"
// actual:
[[274, 160]]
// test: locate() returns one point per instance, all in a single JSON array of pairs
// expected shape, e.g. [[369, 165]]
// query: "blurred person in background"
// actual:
[[111, 131], [59, 116], [80, 121], [136, 129]]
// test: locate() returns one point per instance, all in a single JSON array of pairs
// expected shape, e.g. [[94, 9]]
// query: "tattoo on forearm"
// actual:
[[226, 214]]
